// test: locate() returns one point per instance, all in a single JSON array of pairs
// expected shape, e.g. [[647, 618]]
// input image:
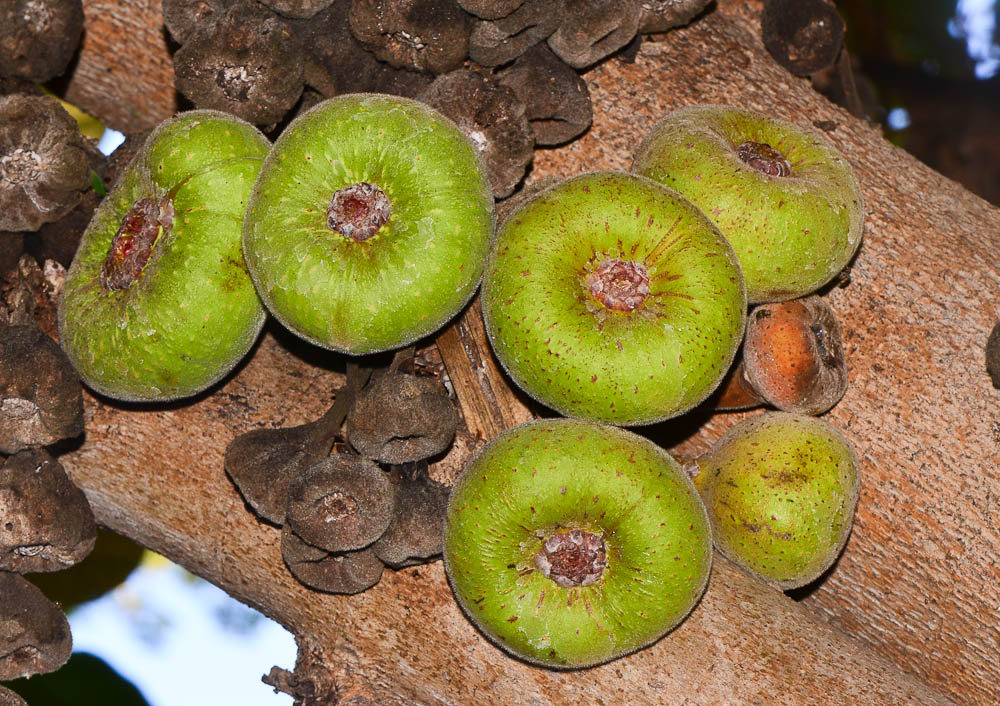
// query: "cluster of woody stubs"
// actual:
[[508, 72], [46, 165]]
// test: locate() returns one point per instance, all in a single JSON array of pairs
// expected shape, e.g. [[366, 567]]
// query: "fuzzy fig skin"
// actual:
[[191, 312], [793, 233], [413, 273], [557, 478], [648, 357], [781, 490]]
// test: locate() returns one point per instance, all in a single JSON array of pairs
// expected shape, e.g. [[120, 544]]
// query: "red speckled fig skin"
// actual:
[[781, 490], [554, 482], [795, 221], [650, 343]]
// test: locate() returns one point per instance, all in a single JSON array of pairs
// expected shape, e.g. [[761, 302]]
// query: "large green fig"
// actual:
[[612, 298], [570, 543], [158, 304], [369, 224], [783, 196]]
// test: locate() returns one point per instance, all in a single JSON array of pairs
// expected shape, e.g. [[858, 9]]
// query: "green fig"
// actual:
[[158, 304], [570, 543], [609, 297], [369, 224], [784, 197], [781, 490]]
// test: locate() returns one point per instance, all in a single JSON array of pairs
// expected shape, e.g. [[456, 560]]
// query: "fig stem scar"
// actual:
[[358, 211], [132, 244], [20, 166], [573, 558]]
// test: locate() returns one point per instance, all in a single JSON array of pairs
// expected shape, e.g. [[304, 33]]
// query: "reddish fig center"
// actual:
[[764, 158], [574, 558], [336, 506], [621, 285], [357, 212], [132, 245], [20, 166]]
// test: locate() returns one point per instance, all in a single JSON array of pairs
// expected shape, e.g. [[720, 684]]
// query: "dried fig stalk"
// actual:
[[993, 356], [247, 63], [416, 532], [28, 294], [346, 572], [493, 117], [496, 42], [34, 633], [804, 36], [299, 9], [421, 35], [263, 463], [44, 166], [39, 37], [661, 15], [47, 523], [555, 96], [490, 9], [338, 63], [9, 698], [400, 418], [593, 29], [40, 394], [343, 503], [184, 17]]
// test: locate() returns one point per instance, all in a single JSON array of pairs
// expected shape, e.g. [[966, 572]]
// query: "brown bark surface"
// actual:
[[919, 579], [156, 475], [123, 74]]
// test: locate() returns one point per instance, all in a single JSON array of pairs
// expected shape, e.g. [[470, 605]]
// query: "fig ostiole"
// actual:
[[570, 543], [369, 223], [610, 297], [158, 304], [781, 490], [784, 197]]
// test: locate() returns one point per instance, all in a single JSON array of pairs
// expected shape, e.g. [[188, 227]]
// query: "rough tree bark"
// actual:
[[156, 475], [919, 580], [124, 70]]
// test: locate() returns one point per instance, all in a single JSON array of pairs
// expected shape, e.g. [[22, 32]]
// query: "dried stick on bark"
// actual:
[[919, 579], [488, 404]]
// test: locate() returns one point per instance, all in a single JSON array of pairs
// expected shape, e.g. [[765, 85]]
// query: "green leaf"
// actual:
[[97, 185]]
